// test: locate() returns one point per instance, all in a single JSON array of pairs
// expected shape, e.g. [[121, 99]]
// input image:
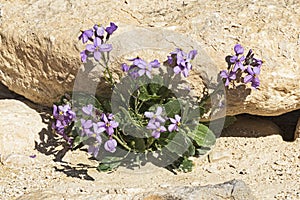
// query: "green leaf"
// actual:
[[172, 107], [145, 94], [154, 88], [186, 165], [109, 163], [203, 136], [139, 144], [179, 143]]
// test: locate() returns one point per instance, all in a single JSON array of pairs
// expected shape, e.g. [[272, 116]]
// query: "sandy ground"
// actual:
[[268, 165]]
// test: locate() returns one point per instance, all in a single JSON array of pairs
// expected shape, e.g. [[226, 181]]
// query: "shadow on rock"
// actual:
[[80, 171]]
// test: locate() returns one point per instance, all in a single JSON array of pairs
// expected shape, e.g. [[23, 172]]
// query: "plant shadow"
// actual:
[[49, 143]]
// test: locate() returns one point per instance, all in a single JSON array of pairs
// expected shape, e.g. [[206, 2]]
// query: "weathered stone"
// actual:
[[40, 52], [234, 189], [20, 126], [45, 195]]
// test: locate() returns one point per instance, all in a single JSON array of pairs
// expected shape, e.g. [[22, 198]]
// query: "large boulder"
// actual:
[[39, 52]]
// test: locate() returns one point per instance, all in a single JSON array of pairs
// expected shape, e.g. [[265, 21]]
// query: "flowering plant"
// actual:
[[150, 114], [241, 68]]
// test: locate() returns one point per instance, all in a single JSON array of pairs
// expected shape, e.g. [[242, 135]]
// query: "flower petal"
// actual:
[[149, 114], [192, 54], [174, 121], [226, 82], [163, 129], [158, 110], [155, 134], [97, 42], [83, 56], [177, 70], [233, 59], [90, 47], [178, 118], [105, 47], [154, 63], [238, 49], [248, 78], [256, 70], [97, 55], [141, 72], [151, 126], [224, 74], [171, 127]]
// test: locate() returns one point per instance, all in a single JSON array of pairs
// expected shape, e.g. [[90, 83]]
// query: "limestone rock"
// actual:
[[39, 52], [234, 189], [20, 126]]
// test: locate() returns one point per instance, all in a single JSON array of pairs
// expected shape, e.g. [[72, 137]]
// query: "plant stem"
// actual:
[[122, 143], [111, 81]]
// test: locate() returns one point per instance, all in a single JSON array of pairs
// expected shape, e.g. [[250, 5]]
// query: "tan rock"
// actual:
[[19, 130], [39, 52]]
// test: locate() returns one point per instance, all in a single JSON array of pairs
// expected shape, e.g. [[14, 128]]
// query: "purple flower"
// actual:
[[109, 125], [63, 116], [183, 69], [252, 76], [228, 76], [86, 35], [170, 60], [192, 54], [238, 49], [237, 63], [99, 30], [134, 73], [256, 62], [94, 147], [155, 117], [112, 28], [88, 110], [98, 47], [86, 125], [183, 61], [146, 68], [83, 56], [175, 123], [157, 129], [110, 145], [125, 67], [98, 128]]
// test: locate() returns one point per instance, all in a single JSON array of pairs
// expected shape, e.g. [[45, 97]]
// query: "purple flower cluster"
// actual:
[[96, 36], [93, 128], [248, 66], [140, 67], [155, 120], [181, 61], [63, 116]]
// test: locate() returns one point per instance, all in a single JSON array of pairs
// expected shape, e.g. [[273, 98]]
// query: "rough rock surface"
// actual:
[[18, 133], [235, 189], [39, 53]]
